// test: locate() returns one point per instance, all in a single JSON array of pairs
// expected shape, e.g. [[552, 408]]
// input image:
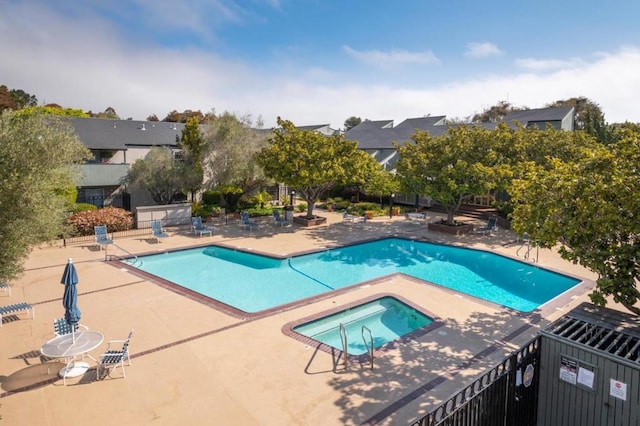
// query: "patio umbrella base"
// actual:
[[74, 369]]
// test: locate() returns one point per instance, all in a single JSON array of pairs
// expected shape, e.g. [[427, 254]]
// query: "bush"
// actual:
[[82, 207], [267, 210], [212, 197], [359, 209], [116, 220], [301, 207]]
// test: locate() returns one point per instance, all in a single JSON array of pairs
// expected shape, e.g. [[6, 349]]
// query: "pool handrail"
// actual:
[[366, 345], [343, 338]]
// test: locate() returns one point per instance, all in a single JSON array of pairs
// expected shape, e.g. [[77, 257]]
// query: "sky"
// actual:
[[322, 61]]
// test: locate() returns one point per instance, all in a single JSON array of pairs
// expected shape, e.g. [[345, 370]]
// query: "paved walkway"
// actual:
[[193, 364]]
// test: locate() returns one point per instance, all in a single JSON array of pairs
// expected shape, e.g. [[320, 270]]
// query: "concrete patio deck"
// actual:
[[193, 364]]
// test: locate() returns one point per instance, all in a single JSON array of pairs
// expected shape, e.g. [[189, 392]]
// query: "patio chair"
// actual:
[[279, 219], [157, 231], [246, 222], [62, 327], [491, 226], [199, 228], [6, 288], [115, 357], [15, 308], [101, 236]]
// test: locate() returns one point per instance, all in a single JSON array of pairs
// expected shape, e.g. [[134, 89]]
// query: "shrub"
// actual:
[[212, 197], [360, 208], [116, 220], [301, 207], [83, 207], [267, 210]]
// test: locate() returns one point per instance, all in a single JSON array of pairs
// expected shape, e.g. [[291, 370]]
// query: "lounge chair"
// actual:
[[349, 218], [62, 327], [6, 288], [246, 222], [199, 228], [156, 230], [279, 219], [101, 236], [491, 226], [115, 357], [15, 308]]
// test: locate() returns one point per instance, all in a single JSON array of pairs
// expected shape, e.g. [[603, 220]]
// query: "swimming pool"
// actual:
[[386, 318], [253, 283]]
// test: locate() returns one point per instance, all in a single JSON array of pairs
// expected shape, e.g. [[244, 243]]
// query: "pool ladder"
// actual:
[[345, 344], [526, 245]]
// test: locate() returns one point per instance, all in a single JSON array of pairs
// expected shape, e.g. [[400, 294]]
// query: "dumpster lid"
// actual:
[[600, 328]]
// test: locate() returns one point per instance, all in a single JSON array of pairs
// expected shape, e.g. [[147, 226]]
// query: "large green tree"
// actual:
[[311, 162], [590, 206], [230, 167], [192, 144], [38, 158], [160, 174], [450, 168]]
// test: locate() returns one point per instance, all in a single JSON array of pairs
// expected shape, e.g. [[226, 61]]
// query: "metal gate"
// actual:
[[506, 395]]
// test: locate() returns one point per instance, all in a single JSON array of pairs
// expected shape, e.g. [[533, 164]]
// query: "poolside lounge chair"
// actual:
[[6, 288], [279, 219], [351, 219], [15, 308], [199, 228], [156, 229], [246, 222], [115, 357], [491, 226], [101, 236]]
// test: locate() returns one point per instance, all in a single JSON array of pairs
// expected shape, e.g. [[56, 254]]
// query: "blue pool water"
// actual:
[[252, 283], [387, 318]]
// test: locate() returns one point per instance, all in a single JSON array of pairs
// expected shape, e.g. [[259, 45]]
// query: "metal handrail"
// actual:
[[343, 338], [128, 252], [366, 345]]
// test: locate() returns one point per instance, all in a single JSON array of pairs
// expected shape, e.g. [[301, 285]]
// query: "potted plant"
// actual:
[[369, 214]]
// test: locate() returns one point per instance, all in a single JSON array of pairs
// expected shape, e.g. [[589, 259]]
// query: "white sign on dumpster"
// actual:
[[617, 389]]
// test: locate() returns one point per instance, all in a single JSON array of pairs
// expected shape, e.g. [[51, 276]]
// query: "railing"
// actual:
[[526, 245], [343, 339], [366, 345], [506, 395]]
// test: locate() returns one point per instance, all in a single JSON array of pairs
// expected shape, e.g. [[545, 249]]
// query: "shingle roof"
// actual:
[[97, 133], [538, 115]]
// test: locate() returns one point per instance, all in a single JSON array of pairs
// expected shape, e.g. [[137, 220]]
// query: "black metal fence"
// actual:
[[506, 395]]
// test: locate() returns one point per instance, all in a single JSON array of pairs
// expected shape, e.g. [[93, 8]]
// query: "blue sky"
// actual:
[[322, 61]]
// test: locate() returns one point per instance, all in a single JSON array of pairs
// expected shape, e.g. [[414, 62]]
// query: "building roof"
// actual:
[[538, 115], [99, 133]]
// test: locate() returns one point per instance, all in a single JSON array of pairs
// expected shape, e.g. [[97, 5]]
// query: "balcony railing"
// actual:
[[102, 174]]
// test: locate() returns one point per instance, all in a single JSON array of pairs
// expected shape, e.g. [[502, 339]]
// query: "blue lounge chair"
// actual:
[[115, 357], [101, 236], [5, 287], [246, 222], [199, 228], [61, 327], [15, 308], [156, 229], [491, 226], [279, 219]]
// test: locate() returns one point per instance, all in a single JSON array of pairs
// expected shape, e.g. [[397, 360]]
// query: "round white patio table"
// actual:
[[70, 346]]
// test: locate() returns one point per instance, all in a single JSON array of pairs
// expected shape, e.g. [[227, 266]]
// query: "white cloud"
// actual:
[[548, 64], [482, 50], [387, 59]]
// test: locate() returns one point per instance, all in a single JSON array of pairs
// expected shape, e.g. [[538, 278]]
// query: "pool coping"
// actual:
[[288, 328]]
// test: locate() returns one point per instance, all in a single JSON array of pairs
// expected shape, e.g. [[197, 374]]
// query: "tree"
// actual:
[[590, 206], [583, 107], [159, 174], [496, 113], [230, 145], [310, 162], [38, 155], [52, 109], [109, 113], [182, 117], [381, 182], [450, 168], [351, 122], [191, 142], [15, 99]]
